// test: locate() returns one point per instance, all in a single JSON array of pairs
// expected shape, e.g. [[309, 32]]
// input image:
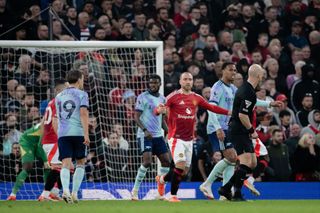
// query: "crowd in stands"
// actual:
[[283, 36]]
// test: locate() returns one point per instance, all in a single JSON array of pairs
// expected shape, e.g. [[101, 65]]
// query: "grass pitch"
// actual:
[[186, 206]]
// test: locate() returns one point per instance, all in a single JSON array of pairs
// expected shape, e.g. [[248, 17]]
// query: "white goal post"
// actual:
[[116, 73]]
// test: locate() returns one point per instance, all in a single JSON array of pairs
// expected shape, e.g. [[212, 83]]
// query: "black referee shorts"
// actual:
[[241, 143]]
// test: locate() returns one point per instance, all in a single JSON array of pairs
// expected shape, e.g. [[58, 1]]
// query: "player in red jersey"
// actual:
[[181, 108], [50, 145]]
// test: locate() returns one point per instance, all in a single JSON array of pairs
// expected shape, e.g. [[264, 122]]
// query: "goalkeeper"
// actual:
[[31, 147]]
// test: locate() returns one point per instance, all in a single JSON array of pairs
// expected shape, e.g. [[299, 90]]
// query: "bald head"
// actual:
[[255, 70], [186, 74], [314, 37]]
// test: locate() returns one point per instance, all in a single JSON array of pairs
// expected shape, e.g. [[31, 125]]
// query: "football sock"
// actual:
[[139, 178], [240, 176], [217, 171], [168, 176], [65, 179], [46, 172], [175, 180], [77, 178], [262, 164], [227, 173], [51, 180], [164, 170], [19, 181]]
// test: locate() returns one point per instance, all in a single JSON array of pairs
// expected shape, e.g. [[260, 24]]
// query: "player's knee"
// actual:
[[27, 167], [81, 162], [147, 164], [230, 155]]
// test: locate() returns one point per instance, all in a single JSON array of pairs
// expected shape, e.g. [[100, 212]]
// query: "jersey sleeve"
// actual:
[[262, 103], [84, 101], [139, 104], [204, 104], [246, 105], [53, 108], [213, 120], [215, 94]]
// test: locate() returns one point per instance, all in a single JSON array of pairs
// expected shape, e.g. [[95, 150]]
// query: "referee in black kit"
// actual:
[[241, 132]]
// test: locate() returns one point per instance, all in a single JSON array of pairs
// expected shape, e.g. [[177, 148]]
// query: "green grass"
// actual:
[[186, 206]]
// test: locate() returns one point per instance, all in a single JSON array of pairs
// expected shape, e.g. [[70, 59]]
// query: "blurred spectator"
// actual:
[[41, 85], [181, 17], [272, 67], [177, 61], [165, 23], [23, 72], [306, 159], [307, 84], [83, 19], [6, 22], [211, 54], [11, 165], [114, 160], [296, 39], [203, 32], [238, 80], [126, 32], [263, 41], [72, 23], [292, 78], [251, 25], [279, 157], [285, 117], [314, 39], [274, 31], [170, 42], [207, 160], [153, 32], [171, 78], [277, 110], [187, 49], [264, 119], [293, 140], [198, 84], [225, 41], [33, 117], [307, 106], [256, 57], [42, 32], [98, 34], [88, 7], [190, 26], [10, 133], [231, 26], [140, 31], [122, 143], [314, 125]]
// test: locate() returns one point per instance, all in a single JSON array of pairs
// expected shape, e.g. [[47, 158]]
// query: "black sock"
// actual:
[[262, 164], [168, 176], [175, 180], [240, 176], [51, 180]]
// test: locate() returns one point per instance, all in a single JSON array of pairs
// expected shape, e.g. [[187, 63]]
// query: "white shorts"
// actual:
[[259, 148], [181, 150], [52, 152]]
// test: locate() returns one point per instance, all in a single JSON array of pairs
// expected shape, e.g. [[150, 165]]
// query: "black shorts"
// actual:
[[241, 143], [72, 147]]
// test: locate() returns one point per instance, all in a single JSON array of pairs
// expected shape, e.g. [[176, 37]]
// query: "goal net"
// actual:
[[115, 74]]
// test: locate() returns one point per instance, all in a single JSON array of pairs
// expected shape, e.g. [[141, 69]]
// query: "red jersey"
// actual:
[[49, 135], [182, 113]]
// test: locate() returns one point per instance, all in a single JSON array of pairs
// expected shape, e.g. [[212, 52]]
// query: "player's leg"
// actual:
[[40, 153], [181, 153], [66, 154], [146, 150], [80, 155], [161, 151], [244, 148], [27, 157], [49, 184]]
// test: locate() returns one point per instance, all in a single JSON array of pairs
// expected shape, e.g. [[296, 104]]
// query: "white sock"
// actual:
[[251, 179]]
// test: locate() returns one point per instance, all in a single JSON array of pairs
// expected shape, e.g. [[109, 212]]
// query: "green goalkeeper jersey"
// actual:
[[31, 147], [31, 135]]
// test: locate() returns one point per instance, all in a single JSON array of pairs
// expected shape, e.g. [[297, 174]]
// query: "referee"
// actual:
[[241, 132]]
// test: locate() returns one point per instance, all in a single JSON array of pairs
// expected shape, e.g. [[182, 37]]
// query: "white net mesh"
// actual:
[[113, 79]]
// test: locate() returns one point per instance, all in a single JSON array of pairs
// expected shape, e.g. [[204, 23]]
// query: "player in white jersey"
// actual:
[[73, 132], [149, 135]]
